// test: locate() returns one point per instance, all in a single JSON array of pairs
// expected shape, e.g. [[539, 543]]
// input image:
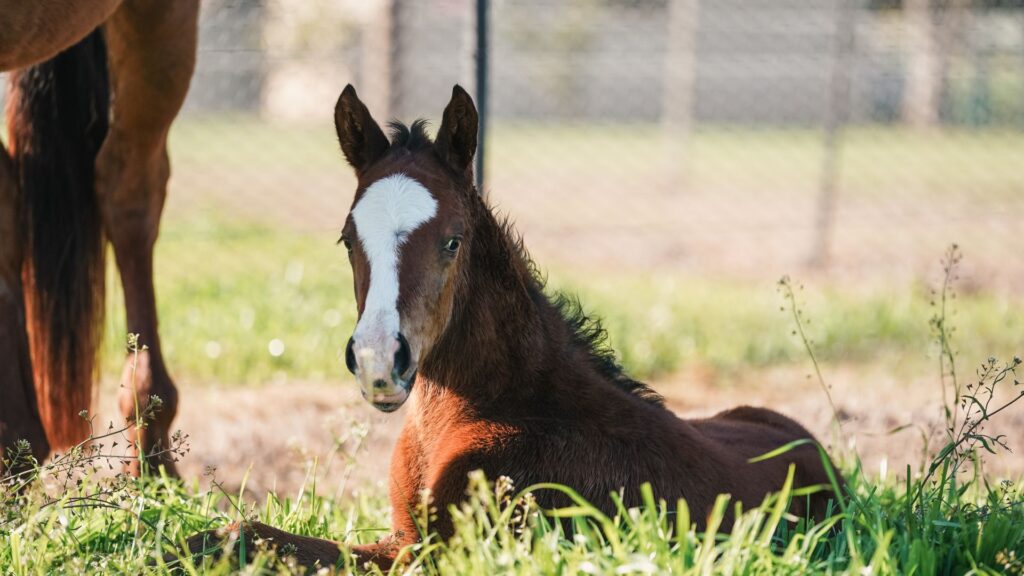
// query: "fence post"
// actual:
[[921, 92], [680, 79], [396, 43], [836, 116], [380, 60], [482, 75]]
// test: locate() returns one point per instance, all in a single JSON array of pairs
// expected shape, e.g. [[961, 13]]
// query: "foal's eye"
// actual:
[[347, 243], [452, 244]]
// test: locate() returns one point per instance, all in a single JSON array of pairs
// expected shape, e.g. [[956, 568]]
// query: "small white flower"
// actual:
[[213, 349], [276, 347]]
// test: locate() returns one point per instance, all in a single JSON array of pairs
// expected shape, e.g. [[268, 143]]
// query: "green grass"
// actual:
[[225, 291], [955, 529]]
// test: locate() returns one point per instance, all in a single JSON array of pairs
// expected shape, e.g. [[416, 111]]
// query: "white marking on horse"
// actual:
[[390, 209]]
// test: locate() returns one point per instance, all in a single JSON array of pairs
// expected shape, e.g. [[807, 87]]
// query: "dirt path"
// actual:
[[273, 434]]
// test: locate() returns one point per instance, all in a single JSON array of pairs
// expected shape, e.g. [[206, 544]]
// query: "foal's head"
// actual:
[[406, 236]]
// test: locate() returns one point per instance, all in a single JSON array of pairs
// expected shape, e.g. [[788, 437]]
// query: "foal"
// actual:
[[498, 376]]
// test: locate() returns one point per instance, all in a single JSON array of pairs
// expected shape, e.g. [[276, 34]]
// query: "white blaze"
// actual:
[[390, 209]]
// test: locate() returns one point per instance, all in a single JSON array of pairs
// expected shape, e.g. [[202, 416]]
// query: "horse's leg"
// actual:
[[307, 551], [406, 479], [151, 46], [448, 489], [19, 413], [35, 31]]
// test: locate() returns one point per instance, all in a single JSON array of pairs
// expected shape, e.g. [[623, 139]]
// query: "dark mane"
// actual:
[[587, 331], [413, 137], [589, 334]]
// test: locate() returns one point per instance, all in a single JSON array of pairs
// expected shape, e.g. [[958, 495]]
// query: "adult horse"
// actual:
[[500, 376], [94, 88]]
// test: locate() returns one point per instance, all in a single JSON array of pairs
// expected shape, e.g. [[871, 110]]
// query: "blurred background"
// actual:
[[728, 136], [667, 160]]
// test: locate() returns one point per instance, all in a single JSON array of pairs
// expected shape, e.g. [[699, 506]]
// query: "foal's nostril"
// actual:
[[350, 357], [402, 356]]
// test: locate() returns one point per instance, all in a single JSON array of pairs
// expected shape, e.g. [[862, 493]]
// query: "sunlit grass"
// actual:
[[246, 303], [881, 531]]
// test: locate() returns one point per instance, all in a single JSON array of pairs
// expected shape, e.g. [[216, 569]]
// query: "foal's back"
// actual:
[[691, 459], [750, 432]]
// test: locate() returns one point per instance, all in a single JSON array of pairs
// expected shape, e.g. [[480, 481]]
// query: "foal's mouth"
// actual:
[[393, 401]]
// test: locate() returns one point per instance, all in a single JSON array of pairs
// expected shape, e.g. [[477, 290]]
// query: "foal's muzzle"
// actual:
[[385, 372]]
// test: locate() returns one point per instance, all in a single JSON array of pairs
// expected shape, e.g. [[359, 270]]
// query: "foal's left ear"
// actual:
[[456, 138]]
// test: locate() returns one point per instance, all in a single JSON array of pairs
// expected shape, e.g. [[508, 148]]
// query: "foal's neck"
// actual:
[[507, 346]]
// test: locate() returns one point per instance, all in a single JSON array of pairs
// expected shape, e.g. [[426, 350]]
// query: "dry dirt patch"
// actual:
[[271, 435]]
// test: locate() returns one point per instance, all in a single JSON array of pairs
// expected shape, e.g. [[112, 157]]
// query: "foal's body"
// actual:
[[497, 375], [545, 408], [691, 459]]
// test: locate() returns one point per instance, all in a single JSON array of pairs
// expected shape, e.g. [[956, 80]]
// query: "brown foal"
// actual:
[[497, 375]]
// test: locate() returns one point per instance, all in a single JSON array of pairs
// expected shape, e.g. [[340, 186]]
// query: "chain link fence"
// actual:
[[749, 138], [728, 136]]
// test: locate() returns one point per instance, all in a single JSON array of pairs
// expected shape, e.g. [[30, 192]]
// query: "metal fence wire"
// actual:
[[725, 136], [728, 136]]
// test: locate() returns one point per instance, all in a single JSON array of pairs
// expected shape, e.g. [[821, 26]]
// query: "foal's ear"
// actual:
[[456, 138], [361, 139]]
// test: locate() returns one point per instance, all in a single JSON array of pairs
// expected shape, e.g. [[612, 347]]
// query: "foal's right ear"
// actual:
[[361, 139]]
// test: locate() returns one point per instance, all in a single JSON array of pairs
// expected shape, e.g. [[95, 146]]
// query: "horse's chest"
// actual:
[[439, 444]]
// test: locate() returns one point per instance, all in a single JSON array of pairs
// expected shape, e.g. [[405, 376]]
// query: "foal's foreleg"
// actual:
[[382, 554], [447, 489], [406, 478], [151, 46], [19, 413], [252, 537]]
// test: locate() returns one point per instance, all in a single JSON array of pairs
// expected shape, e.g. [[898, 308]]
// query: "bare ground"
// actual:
[[269, 437]]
